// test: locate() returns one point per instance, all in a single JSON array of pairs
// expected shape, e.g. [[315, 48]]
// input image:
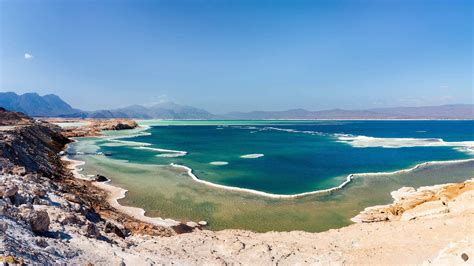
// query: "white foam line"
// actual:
[[289, 130], [219, 163], [367, 142], [130, 143], [349, 178], [160, 150], [252, 156], [171, 155]]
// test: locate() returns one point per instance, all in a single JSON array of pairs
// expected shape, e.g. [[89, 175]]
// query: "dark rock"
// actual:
[[91, 215], [119, 230], [182, 228], [39, 221], [101, 178], [41, 243], [109, 227], [92, 231], [20, 199], [3, 227], [464, 257], [72, 219]]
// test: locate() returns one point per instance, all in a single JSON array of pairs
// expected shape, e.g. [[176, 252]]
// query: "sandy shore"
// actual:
[[73, 165], [116, 193]]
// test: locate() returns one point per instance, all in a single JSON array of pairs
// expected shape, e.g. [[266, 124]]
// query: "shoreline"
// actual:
[[115, 193], [349, 178]]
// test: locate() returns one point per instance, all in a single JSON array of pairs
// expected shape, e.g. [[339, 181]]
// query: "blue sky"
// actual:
[[240, 55]]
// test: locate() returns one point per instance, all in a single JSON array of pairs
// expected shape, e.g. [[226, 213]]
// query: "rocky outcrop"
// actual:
[[410, 203], [39, 221], [31, 147], [13, 118], [95, 127], [40, 195]]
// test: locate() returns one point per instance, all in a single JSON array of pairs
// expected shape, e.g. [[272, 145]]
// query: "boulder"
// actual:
[[101, 178], [119, 230], [3, 227], [92, 231], [39, 221], [72, 219]]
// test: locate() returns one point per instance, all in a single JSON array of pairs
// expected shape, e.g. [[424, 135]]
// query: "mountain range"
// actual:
[[53, 106], [34, 105]]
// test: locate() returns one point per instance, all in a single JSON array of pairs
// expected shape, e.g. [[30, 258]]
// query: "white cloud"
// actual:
[[28, 56]]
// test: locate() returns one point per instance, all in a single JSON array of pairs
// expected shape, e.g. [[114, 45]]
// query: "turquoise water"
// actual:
[[298, 156]]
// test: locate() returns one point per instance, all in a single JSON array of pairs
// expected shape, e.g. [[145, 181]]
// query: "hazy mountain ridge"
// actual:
[[53, 106], [36, 105], [166, 110], [454, 111]]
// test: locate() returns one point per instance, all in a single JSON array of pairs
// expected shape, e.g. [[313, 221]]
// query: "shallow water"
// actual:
[[168, 192]]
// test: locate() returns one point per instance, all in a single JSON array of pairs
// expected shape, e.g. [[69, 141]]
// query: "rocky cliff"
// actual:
[[30, 146], [42, 201]]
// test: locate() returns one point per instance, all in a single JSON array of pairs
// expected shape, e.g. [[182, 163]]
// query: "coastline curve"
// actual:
[[348, 179]]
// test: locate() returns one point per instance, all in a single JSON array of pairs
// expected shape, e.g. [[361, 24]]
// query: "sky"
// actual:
[[240, 55]]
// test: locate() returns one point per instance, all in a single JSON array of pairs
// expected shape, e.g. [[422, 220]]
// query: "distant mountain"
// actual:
[[166, 110], [52, 106], [455, 111], [288, 114], [33, 104]]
